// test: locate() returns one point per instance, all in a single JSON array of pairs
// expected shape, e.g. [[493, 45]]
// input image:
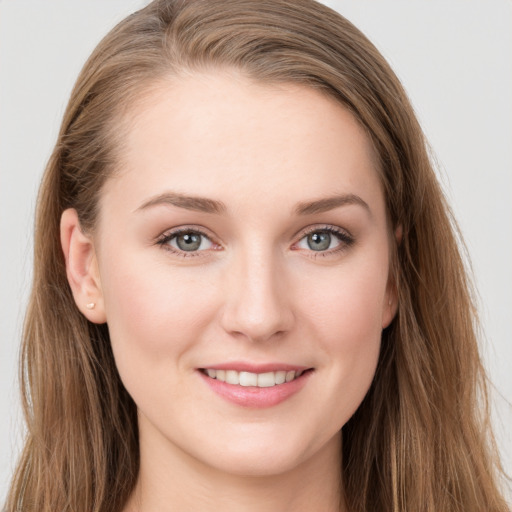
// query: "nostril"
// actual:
[[256, 304]]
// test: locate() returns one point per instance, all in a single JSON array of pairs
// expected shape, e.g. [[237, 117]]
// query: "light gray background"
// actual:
[[454, 58]]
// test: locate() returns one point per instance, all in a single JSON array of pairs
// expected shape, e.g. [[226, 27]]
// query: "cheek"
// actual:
[[153, 312], [346, 314], [349, 302]]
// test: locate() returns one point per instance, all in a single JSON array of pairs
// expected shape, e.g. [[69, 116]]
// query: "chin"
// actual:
[[260, 464], [275, 453]]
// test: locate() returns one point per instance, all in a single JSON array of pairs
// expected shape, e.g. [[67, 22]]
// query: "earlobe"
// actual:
[[390, 308], [82, 267], [399, 231]]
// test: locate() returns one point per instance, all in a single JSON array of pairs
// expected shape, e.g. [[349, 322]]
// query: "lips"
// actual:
[[255, 386]]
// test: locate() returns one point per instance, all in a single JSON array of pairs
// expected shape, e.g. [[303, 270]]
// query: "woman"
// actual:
[[247, 289]]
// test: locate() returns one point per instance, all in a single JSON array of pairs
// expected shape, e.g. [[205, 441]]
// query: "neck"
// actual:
[[170, 479]]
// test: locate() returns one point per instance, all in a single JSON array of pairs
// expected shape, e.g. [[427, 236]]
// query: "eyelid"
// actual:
[[346, 239], [169, 234]]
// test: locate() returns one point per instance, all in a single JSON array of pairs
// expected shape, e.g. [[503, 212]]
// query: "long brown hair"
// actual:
[[421, 439]]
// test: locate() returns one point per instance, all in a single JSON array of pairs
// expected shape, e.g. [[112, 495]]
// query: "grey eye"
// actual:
[[190, 241], [319, 240], [322, 240]]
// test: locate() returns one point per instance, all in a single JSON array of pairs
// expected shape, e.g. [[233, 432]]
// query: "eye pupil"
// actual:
[[188, 241], [319, 241]]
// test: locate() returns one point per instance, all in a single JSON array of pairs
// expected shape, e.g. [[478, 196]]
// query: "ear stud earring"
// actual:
[[91, 305]]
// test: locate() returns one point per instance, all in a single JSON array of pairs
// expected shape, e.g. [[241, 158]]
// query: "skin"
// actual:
[[255, 291]]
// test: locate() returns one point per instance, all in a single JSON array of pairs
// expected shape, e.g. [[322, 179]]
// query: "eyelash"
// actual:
[[346, 240], [164, 240]]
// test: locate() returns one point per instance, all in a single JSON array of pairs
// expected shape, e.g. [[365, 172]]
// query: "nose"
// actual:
[[258, 305]]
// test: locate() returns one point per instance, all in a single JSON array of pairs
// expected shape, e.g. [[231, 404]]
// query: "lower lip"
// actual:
[[253, 396]]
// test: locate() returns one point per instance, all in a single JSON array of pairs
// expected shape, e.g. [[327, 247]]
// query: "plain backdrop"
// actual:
[[455, 60]]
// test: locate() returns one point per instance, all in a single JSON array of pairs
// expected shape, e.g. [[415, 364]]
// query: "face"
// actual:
[[243, 266]]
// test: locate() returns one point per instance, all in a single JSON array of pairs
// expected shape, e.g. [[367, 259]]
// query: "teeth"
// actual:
[[232, 377], [248, 379], [261, 380], [280, 377], [266, 380]]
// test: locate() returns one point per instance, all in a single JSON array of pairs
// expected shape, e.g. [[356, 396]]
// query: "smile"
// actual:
[[260, 380], [265, 386]]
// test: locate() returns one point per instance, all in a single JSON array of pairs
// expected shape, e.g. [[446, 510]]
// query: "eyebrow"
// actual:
[[330, 203], [205, 205], [198, 204]]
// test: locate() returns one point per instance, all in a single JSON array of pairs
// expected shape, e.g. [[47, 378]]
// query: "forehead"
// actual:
[[224, 136]]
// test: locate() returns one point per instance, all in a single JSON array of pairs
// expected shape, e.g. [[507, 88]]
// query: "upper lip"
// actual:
[[241, 366]]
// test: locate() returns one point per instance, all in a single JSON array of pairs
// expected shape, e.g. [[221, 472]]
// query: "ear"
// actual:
[[391, 298], [82, 267]]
